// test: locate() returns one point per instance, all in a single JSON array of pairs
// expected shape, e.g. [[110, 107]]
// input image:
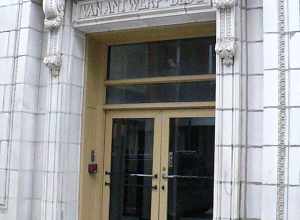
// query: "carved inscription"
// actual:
[[100, 8]]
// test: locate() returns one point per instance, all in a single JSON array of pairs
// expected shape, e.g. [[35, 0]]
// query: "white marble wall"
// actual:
[[20, 58], [40, 116]]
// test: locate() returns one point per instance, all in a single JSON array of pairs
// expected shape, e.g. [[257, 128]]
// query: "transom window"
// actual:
[[168, 71]]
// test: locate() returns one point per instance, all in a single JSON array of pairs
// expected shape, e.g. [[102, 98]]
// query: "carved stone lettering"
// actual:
[[134, 4], [114, 6], [154, 3], [98, 8], [86, 10]]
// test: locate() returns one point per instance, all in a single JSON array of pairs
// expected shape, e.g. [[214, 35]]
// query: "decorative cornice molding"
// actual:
[[54, 18], [224, 3], [225, 48]]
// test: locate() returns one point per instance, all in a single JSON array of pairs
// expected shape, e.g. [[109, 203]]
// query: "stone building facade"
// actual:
[[46, 108]]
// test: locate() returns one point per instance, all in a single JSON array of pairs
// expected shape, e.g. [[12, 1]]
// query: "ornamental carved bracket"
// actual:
[[225, 48], [226, 41], [53, 62], [54, 17]]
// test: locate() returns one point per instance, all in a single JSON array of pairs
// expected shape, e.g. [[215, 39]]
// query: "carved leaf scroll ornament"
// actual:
[[226, 48], [54, 17], [54, 13], [226, 42], [54, 63]]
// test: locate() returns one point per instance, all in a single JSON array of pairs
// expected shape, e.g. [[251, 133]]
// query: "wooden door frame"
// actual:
[[166, 116], [155, 162], [159, 199]]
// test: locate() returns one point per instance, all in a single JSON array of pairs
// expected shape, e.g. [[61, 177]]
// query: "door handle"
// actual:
[[165, 176], [155, 176], [143, 175]]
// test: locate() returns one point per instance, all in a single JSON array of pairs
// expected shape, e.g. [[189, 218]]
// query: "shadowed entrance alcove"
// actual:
[[99, 108]]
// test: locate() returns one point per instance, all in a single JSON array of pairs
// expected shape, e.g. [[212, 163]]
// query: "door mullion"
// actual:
[[164, 167], [156, 168]]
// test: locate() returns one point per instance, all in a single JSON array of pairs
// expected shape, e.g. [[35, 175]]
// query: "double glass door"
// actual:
[[159, 165]]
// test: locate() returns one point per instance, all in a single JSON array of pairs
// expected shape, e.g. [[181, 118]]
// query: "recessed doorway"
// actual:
[[150, 124]]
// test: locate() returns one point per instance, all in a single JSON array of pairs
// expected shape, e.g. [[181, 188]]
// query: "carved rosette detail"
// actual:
[[54, 17], [225, 48]]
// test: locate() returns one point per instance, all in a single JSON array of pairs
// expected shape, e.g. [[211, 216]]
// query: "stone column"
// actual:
[[60, 106], [230, 132]]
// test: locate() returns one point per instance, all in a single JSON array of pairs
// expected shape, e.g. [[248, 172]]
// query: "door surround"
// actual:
[[229, 111], [229, 108]]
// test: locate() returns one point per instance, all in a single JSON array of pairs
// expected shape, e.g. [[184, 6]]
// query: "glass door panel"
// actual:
[[131, 169], [159, 165], [187, 172], [131, 178]]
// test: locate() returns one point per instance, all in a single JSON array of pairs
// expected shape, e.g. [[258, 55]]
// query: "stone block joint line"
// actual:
[[4, 204]]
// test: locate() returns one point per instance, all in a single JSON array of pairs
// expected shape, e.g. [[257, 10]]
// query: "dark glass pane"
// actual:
[[197, 56], [128, 61], [171, 92], [191, 160], [165, 58], [132, 153]]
